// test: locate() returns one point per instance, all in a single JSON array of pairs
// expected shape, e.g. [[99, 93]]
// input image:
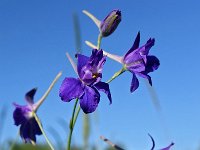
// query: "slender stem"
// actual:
[[47, 92], [71, 126], [99, 41], [116, 75], [73, 113], [116, 58], [69, 139], [76, 116], [111, 56], [41, 128]]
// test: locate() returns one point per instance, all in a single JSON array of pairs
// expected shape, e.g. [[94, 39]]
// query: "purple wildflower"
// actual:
[[110, 23], [23, 116], [88, 84], [138, 61]]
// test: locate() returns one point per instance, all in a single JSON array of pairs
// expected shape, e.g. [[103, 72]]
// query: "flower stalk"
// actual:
[[72, 123], [41, 128], [111, 56], [99, 41], [116, 74]]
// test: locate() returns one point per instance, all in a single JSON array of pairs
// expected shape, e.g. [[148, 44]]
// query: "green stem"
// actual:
[[73, 113], [72, 128], [71, 124], [117, 74], [99, 41], [41, 128], [76, 116]]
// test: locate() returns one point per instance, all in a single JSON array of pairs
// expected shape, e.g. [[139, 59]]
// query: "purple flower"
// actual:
[[110, 23], [138, 61], [23, 116], [87, 86]]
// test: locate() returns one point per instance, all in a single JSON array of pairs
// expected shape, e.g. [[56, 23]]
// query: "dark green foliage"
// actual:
[[30, 147]]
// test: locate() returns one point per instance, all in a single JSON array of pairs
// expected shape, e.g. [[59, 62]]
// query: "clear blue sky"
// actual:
[[35, 35]]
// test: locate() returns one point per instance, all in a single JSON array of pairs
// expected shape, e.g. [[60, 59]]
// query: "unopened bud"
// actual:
[[110, 23]]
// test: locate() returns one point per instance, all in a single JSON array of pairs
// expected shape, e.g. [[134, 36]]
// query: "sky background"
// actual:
[[35, 35]]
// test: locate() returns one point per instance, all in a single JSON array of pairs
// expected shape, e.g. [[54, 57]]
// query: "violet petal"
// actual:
[[134, 83], [20, 114], [104, 87], [136, 65], [29, 130], [30, 96], [152, 64], [145, 76], [89, 101], [144, 50], [135, 44], [82, 61], [71, 88]]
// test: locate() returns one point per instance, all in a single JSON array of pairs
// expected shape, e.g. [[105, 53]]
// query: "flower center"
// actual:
[[29, 115], [95, 75]]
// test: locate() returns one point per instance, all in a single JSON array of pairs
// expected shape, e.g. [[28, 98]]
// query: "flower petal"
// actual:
[[145, 76], [71, 88], [152, 64], [136, 64], [96, 61], [144, 50], [30, 96], [20, 114], [135, 44], [89, 101], [82, 61], [134, 83], [104, 87], [96, 56], [29, 130]]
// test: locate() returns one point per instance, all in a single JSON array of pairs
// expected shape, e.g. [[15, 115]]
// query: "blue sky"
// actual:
[[35, 35]]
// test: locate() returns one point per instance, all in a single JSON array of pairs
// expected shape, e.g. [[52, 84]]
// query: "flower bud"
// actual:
[[110, 23]]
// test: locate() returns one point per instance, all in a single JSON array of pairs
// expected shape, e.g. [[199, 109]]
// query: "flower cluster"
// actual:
[[137, 60], [88, 84]]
